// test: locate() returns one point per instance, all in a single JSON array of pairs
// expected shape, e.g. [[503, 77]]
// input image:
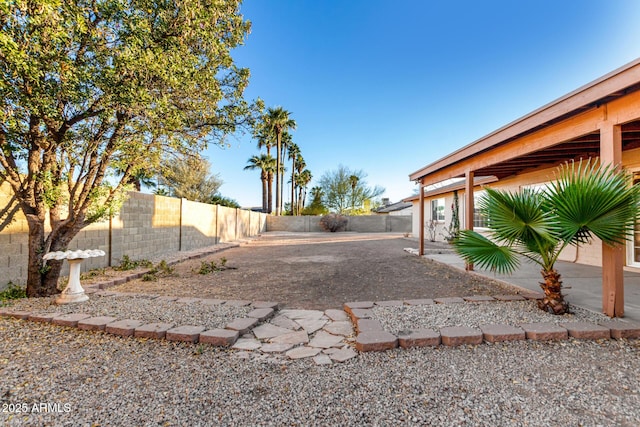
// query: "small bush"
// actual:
[[161, 270], [333, 222], [211, 267], [127, 263], [13, 291]]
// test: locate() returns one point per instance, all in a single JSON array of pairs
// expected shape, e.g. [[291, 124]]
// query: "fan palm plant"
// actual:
[[585, 201]]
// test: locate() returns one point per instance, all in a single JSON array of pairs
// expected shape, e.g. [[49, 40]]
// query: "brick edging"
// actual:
[[372, 337], [221, 337]]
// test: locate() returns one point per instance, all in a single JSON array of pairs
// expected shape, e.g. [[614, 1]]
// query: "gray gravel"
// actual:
[[435, 316], [111, 381], [141, 308]]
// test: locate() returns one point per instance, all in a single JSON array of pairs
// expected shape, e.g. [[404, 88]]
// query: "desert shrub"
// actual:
[[12, 291], [127, 263], [210, 267], [161, 270], [333, 222]]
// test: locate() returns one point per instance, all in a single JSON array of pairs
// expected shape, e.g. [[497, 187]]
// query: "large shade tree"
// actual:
[[87, 87], [344, 190], [188, 177], [586, 201]]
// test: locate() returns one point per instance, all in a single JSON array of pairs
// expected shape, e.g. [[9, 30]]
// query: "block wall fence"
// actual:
[[148, 226]]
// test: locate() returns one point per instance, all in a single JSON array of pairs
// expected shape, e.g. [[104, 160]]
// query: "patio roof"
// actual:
[[600, 119], [583, 142]]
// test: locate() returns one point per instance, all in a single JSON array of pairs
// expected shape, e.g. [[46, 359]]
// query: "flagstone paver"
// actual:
[[247, 344], [285, 322], [267, 330], [302, 352], [261, 313], [324, 339], [322, 359], [341, 327], [295, 337], [275, 347], [336, 315], [343, 355], [310, 325]]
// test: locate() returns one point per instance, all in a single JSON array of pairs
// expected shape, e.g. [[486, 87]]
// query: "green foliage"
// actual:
[[212, 267], [162, 269], [585, 201], [315, 207], [188, 177], [219, 200], [127, 263], [13, 291], [346, 191], [91, 88]]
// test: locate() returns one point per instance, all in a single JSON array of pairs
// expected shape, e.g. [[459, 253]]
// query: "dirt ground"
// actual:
[[320, 271]]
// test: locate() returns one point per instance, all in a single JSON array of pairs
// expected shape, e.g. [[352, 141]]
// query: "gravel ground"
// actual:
[[141, 308], [395, 319], [96, 379]]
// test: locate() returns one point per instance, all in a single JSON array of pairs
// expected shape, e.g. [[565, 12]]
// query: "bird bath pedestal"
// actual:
[[74, 291]]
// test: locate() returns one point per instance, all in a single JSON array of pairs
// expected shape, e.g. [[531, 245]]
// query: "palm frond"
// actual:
[[590, 200], [518, 217], [476, 249]]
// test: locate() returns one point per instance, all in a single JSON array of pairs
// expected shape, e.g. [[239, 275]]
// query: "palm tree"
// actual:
[[353, 180], [585, 201], [266, 164], [266, 140], [277, 121], [302, 180], [294, 153]]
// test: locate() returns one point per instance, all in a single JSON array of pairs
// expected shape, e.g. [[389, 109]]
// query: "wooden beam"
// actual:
[[421, 237], [612, 257], [468, 207]]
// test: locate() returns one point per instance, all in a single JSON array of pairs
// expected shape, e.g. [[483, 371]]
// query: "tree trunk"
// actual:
[[278, 160], [270, 193], [553, 301], [42, 280], [264, 193]]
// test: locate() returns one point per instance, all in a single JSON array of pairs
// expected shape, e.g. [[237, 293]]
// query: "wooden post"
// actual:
[[421, 237], [612, 257], [468, 207]]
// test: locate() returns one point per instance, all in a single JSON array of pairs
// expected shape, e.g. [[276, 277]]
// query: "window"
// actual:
[[437, 210], [479, 219]]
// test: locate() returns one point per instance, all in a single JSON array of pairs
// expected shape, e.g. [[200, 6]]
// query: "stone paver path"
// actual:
[[326, 336]]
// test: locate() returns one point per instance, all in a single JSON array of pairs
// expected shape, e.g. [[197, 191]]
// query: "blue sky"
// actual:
[[388, 87]]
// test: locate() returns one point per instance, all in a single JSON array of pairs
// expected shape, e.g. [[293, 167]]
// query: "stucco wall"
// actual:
[[590, 254], [147, 226]]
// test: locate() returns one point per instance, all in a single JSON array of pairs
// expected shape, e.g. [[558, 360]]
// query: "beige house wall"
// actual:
[[590, 254], [147, 226]]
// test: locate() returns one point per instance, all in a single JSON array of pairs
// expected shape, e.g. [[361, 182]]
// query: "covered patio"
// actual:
[[600, 119]]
